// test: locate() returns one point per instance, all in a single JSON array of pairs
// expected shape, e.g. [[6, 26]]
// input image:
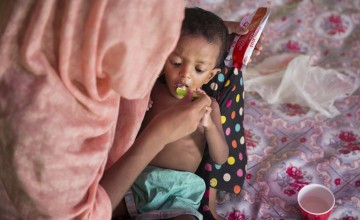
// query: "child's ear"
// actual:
[[213, 73]]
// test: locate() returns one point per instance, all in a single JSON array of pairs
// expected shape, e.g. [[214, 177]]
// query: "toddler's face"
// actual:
[[191, 64]]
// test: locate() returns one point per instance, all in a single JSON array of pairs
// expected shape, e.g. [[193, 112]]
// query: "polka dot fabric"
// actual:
[[228, 89]]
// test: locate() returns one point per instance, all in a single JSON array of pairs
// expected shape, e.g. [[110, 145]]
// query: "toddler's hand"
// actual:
[[206, 120]]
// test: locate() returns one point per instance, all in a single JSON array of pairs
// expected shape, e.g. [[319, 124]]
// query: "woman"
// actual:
[[74, 83]]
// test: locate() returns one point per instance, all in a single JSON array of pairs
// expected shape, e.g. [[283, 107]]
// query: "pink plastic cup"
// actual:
[[316, 202]]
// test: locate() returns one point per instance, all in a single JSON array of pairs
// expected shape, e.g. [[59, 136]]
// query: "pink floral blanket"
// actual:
[[289, 145]]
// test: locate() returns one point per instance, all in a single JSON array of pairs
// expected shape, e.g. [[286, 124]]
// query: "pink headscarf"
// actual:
[[74, 83]]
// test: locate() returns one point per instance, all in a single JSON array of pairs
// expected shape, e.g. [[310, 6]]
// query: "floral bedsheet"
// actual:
[[290, 146]]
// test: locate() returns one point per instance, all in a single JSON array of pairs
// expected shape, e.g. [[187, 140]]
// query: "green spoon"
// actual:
[[181, 91]]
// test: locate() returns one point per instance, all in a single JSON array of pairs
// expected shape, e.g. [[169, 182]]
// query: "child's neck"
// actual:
[[162, 79]]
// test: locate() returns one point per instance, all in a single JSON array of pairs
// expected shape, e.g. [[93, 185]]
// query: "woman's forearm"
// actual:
[[118, 179], [164, 128]]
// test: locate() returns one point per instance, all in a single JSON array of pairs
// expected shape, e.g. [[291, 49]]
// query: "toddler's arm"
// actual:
[[218, 148]]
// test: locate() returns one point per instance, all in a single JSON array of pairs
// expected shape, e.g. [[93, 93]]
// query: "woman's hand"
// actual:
[[234, 28], [183, 118]]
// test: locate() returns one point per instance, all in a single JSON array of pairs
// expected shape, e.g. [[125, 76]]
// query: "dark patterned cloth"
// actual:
[[228, 89]]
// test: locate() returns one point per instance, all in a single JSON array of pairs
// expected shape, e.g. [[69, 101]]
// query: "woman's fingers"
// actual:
[[184, 117], [258, 46], [202, 102], [234, 27]]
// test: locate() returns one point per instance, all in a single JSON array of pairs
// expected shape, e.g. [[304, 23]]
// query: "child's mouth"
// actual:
[[181, 89], [181, 85]]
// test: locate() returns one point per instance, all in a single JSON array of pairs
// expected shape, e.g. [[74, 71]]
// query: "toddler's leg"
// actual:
[[212, 203]]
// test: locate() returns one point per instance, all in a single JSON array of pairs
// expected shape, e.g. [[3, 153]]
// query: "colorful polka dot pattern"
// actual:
[[228, 89]]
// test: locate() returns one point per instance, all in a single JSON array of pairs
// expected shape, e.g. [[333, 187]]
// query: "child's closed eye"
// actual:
[[199, 70], [176, 64]]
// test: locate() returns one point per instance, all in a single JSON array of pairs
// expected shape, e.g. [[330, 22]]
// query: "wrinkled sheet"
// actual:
[[299, 83], [291, 145], [75, 78]]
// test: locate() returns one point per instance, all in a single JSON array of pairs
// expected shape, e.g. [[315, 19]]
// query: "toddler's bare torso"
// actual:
[[184, 154]]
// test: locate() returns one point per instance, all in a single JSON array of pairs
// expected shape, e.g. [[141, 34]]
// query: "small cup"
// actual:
[[316, 202]]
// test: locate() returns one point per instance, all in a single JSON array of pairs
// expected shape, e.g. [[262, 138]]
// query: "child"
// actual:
[[169, 188]]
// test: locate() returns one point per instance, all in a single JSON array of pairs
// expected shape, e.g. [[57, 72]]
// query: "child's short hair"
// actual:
[[199, 22]]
